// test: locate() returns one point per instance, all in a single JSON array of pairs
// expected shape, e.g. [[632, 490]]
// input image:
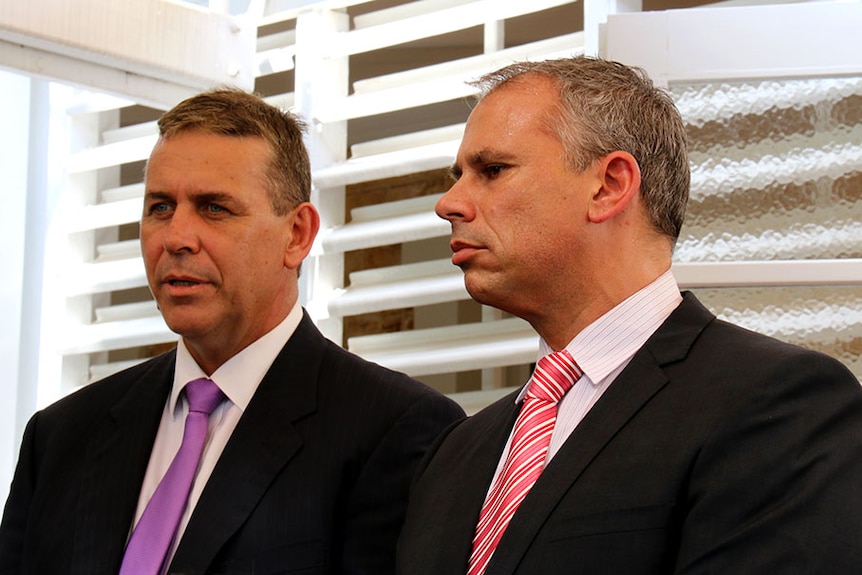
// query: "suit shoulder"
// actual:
[[96, 396], [480, 425], [757, 351], [362, 372], [738, 367]]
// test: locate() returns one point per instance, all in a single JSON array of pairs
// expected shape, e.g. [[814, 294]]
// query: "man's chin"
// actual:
[[190, 328], [478, 289]]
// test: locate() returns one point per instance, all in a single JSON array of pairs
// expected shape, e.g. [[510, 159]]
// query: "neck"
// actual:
[[581, 307]]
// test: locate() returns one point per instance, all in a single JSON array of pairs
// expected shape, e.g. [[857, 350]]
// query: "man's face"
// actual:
[[214, 250], [518, 211]]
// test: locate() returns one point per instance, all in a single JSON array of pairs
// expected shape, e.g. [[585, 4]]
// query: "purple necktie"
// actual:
[[148, 547]]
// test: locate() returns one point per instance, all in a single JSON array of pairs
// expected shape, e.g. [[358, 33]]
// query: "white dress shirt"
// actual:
[[602, 350], [238, 378]]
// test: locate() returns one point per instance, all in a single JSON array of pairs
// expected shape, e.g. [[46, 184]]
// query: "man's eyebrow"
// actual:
[[213, 197], [485, 156], [198, 197], [156, 195], [489, 156]]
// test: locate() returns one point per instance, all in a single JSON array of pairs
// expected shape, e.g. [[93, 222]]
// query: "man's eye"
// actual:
[[215, 209], [159, 208], [493, 170]]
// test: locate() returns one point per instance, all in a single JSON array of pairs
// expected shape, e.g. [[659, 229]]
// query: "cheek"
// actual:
[[514, 223], [151, 249]]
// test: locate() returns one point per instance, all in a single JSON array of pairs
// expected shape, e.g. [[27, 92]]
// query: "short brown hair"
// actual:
[[234, 112], [606, 106]]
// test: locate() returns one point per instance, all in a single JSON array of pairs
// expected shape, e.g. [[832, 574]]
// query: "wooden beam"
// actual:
[[165, 50]]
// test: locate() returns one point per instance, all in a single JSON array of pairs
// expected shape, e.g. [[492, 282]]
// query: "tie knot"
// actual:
[[555, 374], [203, 395]]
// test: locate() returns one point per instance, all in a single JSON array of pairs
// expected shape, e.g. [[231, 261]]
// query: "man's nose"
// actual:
[[454, 205], [181, 232]]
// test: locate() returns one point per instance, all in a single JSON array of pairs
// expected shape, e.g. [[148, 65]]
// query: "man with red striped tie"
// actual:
[[652, 438]]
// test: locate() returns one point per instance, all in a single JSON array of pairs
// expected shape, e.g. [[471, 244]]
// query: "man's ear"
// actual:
[[620, 184], [304, 224]]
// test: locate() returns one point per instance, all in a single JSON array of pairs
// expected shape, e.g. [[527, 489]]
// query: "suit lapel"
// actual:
[[477, 465], [263, 442], [633, 388], [114, 464]]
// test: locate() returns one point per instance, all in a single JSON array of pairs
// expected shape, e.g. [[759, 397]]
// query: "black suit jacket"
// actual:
[[313, 480], [716, 451]]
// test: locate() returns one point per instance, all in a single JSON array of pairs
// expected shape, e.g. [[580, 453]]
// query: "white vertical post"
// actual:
[[596, 16], [494, 36], [15, 389], [321, 82], [55, 145]]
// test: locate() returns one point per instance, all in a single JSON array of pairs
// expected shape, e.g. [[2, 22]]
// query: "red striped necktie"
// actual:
[[555, 374]]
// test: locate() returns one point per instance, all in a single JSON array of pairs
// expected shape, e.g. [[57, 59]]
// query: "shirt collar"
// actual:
[[615, 337], [238, 377]]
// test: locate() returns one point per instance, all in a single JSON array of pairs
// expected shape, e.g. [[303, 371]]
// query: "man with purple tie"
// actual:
[[257, 446]]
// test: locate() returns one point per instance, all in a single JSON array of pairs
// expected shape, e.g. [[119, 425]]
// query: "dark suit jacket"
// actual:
[[313, 480], [716, 451]]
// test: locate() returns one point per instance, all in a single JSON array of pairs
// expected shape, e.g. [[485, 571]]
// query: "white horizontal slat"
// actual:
[[92, 102], [276, 41], [440, 82], [387, 165], [130, 132], [439, 281], [113, 154], [449, 135], [115, 335], [401, 98], [474, 66], [512, 341], [103, 215], [759, 41], [126, 249], [275, 52], [451, 349], [282, 101], [418, 205], [439, 22], [123, 193], [418, 284], [383, 275], [417, 222], [276, 11], [393, 231], [90, 278], [769, 273], [275, 61], [124, 312], [402, 11]]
